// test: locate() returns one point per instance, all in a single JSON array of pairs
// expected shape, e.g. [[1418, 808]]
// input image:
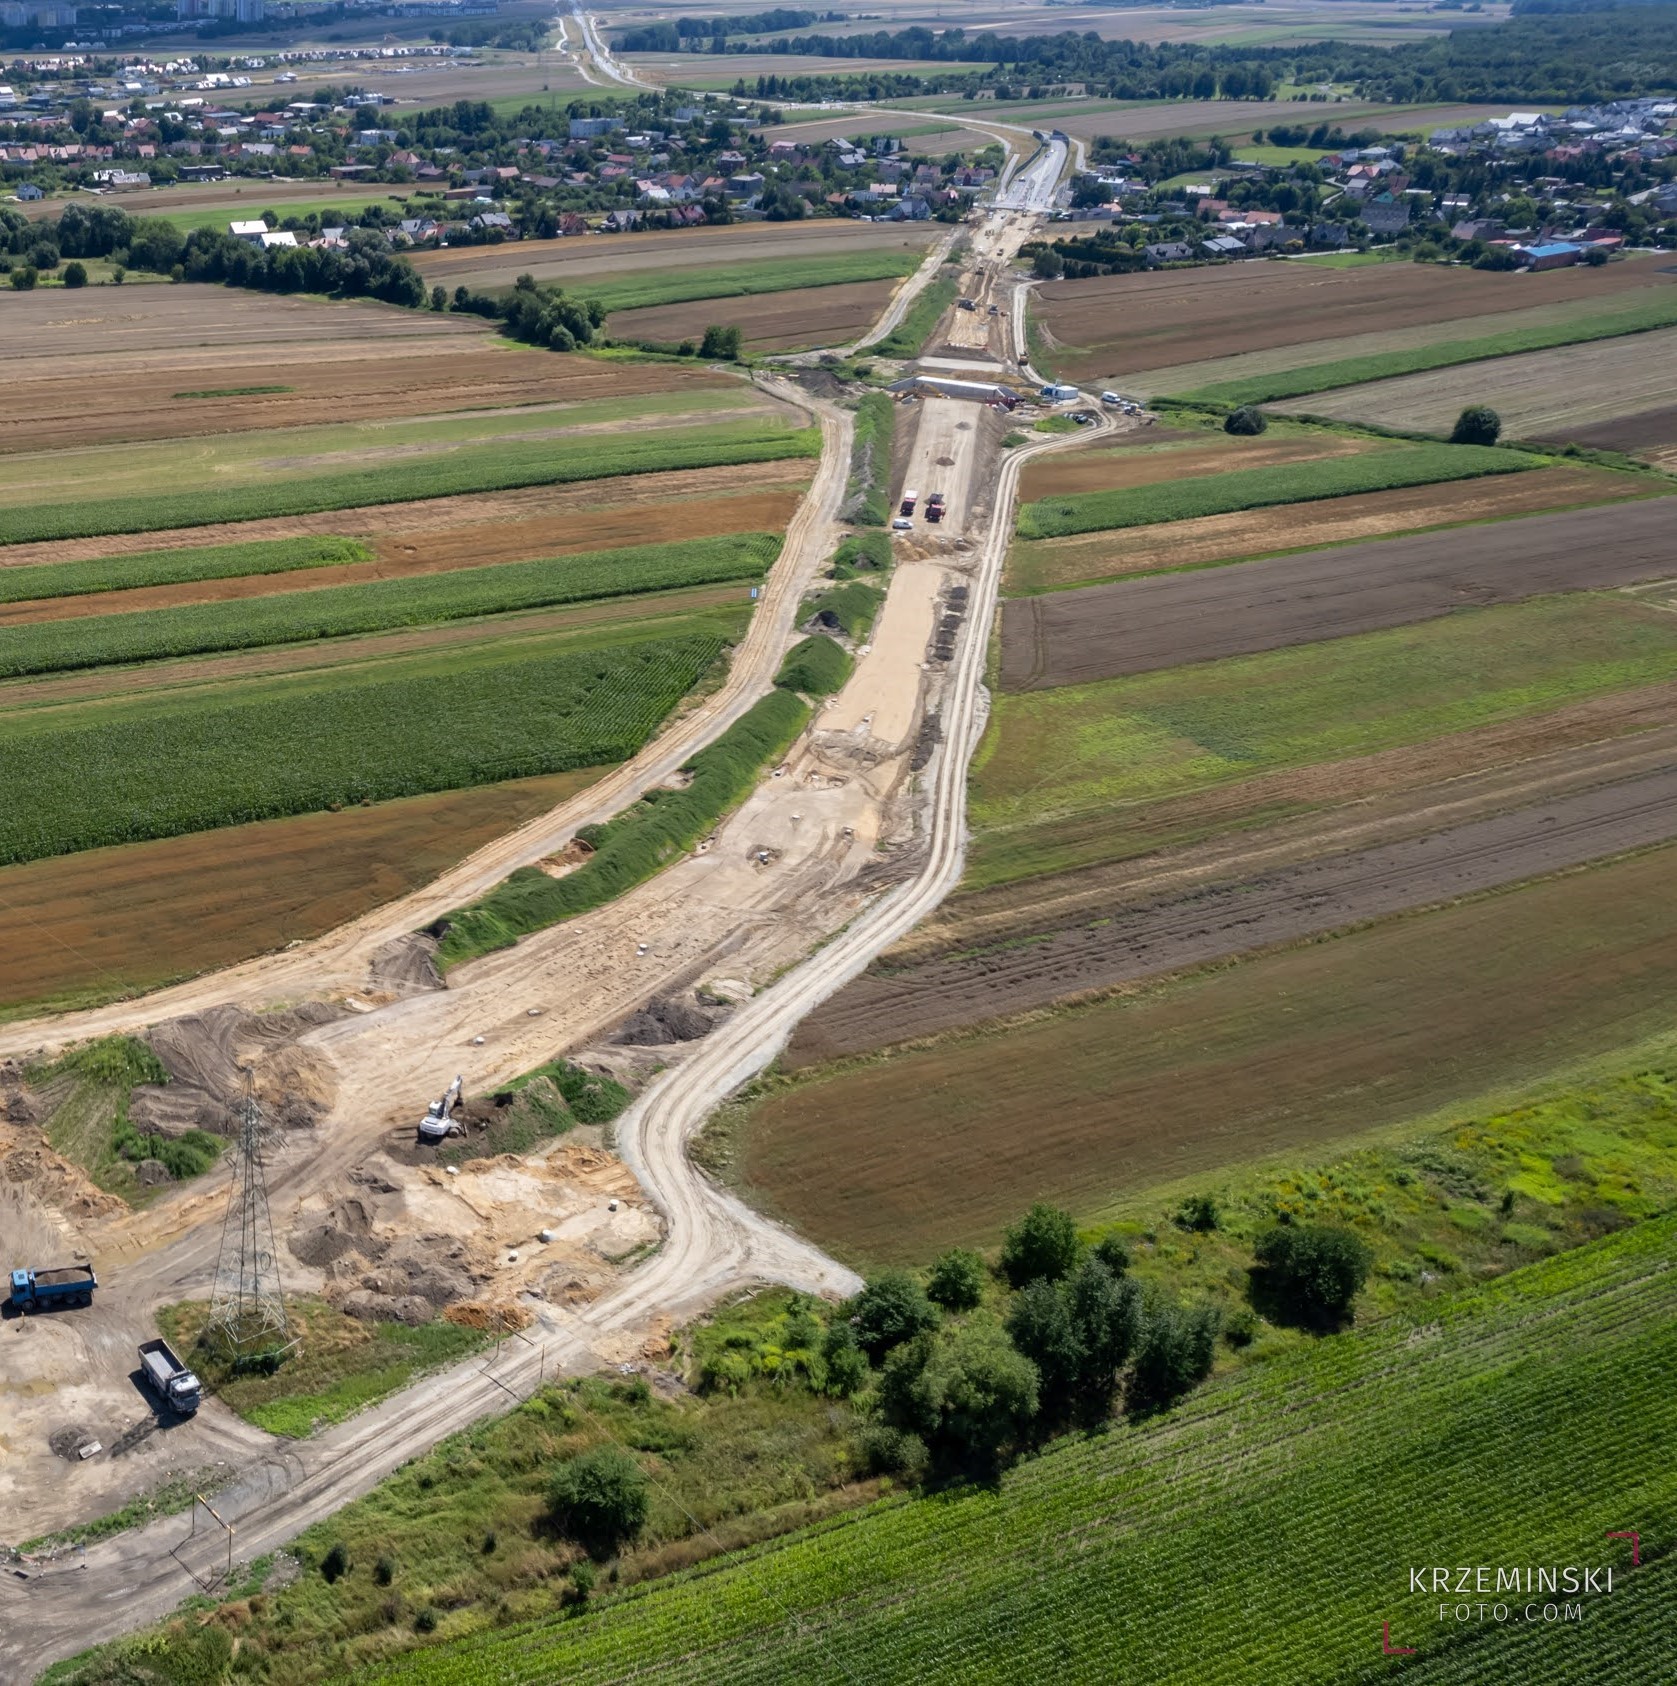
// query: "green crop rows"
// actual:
[[469, 468], [632, 847], [1254, 488], [1659, 311], [723, 281], [172, 567], [338, 611], [155, 767], [1263, 1531]]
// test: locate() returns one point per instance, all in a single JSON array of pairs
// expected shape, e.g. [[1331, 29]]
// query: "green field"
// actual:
[[172, 567], [724, 281], [253, 201], [1062, 777], [1257, 488], [418, 600], [467, 468], [223, 754], [1604, 321], [1304, 1488]]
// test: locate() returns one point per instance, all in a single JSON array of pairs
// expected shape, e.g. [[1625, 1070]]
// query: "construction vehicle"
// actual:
[[439, 1123], [169, 1379], [936, 509], [62, 1285], [910, 499]]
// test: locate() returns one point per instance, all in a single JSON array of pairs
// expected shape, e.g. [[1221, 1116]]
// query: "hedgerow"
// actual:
[[633, 846], [870, 460], [172, 567], [1255, 488], [483, 468], [299, 616], [219, 757], [817, 666]]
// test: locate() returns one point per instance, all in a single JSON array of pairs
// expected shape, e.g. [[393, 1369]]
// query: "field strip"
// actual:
[[1165, 620], [721, 281]]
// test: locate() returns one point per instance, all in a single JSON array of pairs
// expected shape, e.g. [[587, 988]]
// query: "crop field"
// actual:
[[638, 292], [789, 321], [1375, 470], [440, 472], [47, 646], [1121, 325], [222, 755], [720, 71], [1325, 1472], [1562, 394], [171, 567], [1053, 564], [115, 922], [577, 262], [1164, 620]]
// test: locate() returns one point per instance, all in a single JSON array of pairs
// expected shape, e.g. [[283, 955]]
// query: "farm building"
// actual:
[[1552, 254]]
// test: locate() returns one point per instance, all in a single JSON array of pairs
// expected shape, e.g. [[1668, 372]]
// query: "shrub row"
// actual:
[[870, 461], [172, 567], [850, 607], [817, 666], [1255, 488], [480, 468], [338, 611], [633, 846]]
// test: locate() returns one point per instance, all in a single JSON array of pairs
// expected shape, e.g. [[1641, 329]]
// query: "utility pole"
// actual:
[[247, 1309]]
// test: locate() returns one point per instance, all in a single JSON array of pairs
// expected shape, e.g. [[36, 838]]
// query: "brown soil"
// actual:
[[1284, 1053], [445, 552], [1214, 901], [1651, 435], [1122, 466], [113, 922], [1166, 620], [1046, 563], [1152, 321], [786, 321], [448, 522]]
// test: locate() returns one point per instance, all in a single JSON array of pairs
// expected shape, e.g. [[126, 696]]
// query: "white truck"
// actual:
[[169, 1379]]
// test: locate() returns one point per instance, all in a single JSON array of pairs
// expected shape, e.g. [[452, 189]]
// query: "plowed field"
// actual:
[[114, 922], [1047, 564], [1144, 459], [1650, 434], [1165, 620], [1152, 321], [806, 316]]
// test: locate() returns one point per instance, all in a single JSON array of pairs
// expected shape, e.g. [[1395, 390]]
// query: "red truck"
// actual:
[[936, 509], [910, 499]]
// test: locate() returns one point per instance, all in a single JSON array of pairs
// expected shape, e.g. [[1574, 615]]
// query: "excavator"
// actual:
[[439, 1122]]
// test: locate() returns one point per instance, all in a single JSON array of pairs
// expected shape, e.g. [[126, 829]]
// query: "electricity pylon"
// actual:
[[248, 1310]]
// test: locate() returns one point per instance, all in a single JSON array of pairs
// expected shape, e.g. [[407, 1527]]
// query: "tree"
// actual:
[[1248, 420], [891, 1308], [599, 1497], [75, 274], [956, 1281], [722, 343], [1105, 1311], [1478, 424], [24, 278], [1042, 1244], [969, 1394], [1048, 265], [1595, 257], [1315, 1271], [846, 1365], [1039, 1324], [1174, 1353]]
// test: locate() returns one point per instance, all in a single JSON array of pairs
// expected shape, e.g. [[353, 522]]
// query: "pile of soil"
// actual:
[[412, 1281], [406, 965], [17, 1106], [68, 1441], [347, 1228], [666, 1019]]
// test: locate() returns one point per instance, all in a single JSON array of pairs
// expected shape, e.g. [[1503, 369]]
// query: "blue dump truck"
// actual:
[[66, 1285]]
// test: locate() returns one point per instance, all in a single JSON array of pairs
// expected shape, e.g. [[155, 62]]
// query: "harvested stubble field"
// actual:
[[578, 260], [1053, 564], [119, 921], [1164, 620], [788, 321], [1283, 1053], [1560, 394], [1157, 321]]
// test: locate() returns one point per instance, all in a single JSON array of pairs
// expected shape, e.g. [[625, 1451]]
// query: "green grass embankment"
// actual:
[[908, 338], [869, 492]]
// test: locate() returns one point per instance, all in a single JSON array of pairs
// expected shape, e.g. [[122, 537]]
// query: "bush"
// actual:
[[845, 1363], [426, 1621], [1174, 1353], [1315, 1271], [817, 667], [956, 1280], [1247, 420], [891, 1308], [584, 1577], [1042, 1244], [24, 277], [721, 342], [1478, 424], [75, 274], [384, 1571], [891, 1451], [1113, 1254], [599, 1498], [335, 1564], [1198, 1213]]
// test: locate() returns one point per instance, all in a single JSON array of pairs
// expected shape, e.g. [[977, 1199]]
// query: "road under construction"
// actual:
[[857, 837]]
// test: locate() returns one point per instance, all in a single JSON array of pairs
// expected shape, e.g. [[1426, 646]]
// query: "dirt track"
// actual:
[[1439, 855], [1167, 620]]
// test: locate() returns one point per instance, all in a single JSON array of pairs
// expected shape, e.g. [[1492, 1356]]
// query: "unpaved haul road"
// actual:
[[714, 1242]]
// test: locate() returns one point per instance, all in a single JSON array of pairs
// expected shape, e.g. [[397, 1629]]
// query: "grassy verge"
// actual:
[[631, 847], [908, 338], [342, 1365], [1660, 311], [168, 1498], [380, 605], [1257, 488], [221, 755], [869, 492], [816, 666], [173, 567], [726, 281], [470, 468]]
